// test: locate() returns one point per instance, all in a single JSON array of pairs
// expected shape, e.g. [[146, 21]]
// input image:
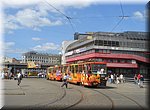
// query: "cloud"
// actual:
[[15, 51], [35, 14], [75, 3], [18, 3], [139, 15], [8, 45], [46, 47], [28, 18], [36, 39], [8, 48]]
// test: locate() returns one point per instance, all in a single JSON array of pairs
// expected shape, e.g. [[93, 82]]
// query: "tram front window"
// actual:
[[98, 68]]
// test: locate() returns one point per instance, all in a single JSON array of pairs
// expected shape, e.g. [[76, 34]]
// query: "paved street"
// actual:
[[42, 93]]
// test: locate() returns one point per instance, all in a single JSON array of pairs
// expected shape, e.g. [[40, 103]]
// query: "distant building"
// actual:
[[65, 44], [10, 60], [42, 58], [126, 52]]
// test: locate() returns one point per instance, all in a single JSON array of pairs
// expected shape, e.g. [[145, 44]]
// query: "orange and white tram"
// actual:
[[54, 73], [86, 74], [89, 74]]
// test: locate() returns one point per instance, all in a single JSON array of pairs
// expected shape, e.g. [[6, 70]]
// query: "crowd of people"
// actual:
[[6, 75], [116, 78], [10, 75]]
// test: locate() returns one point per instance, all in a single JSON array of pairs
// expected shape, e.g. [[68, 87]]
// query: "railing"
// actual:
[[131, 80]]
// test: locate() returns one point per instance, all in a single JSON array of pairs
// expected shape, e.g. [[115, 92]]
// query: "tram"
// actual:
[[54, 73], [92, 74], [89, 74]]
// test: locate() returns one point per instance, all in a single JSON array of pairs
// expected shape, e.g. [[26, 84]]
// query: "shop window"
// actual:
[[96, 50]]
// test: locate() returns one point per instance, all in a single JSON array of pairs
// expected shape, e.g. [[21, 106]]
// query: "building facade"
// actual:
[[9, 60], [38, 62], [125, 52], [41, 58]]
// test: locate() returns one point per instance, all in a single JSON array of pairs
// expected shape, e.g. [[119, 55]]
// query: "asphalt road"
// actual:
[[39, 93]]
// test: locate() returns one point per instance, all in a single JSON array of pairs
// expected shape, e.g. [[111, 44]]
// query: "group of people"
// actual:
[[6, 75], [138, 79], [116, 78]]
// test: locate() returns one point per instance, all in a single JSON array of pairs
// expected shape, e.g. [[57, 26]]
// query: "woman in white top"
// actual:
[[19, 77]]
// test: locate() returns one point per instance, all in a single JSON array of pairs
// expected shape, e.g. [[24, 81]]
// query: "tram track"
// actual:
[[45, 104], [74, 97], [61, 99], [109, 98], [79, 101], [49, 104], [103, 92], [128, 98], [63, 96]]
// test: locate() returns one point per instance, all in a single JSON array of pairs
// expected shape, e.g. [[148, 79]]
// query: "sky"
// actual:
[[42, 25]]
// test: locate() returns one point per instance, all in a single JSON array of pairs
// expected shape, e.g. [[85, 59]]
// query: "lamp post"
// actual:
[[60, 58]]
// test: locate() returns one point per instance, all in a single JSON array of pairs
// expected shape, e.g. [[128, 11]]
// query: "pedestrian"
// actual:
[[141, 81], [65, 81], [135, 79], [112, 78], [3, 75], [109, 79], [10, 75], [121, 78], [117, 79], [138, 78], [19, 78]]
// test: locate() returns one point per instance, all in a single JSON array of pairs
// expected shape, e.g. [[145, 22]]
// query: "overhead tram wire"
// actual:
[[122, 17], [68, 18]]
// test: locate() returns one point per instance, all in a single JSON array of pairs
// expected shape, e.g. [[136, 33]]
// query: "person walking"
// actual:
[[135, 79], [117, 79], [10, 75], [19, 78], [65, 81], [3, 75], [141, 81], [121, 78], [138, 78], [112, 78]]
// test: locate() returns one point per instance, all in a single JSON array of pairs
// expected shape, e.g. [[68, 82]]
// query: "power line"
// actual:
[[68, 17], [117, 24], [122, 17]]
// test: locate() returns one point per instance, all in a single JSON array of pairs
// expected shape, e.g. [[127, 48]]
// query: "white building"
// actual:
[[42, 58], [65, 44]]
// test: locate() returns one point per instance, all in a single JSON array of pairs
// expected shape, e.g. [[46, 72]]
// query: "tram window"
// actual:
[[72, 69], [76, 68], [80, 68]]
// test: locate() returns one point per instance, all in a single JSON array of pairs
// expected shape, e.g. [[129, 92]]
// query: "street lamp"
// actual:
[[60, 57]]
